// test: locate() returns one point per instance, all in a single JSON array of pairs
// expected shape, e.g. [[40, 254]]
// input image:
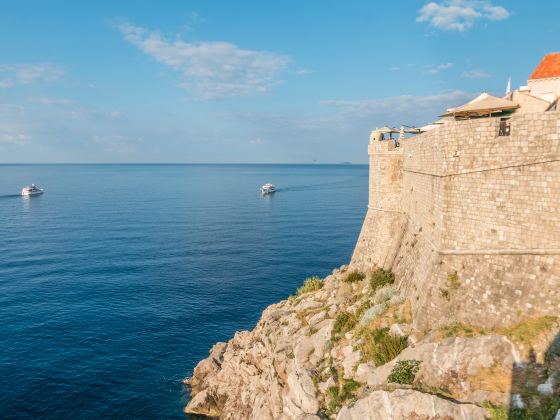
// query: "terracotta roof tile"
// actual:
[[548, 67]]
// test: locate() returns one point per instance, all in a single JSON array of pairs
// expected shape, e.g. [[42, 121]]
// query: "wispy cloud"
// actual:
[[475, 74], [460, 15], [435, 69], [407, 109], [24, 74], [211, 70]]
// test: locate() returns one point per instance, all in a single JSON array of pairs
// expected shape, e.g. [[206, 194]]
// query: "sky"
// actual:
[[291, 81]]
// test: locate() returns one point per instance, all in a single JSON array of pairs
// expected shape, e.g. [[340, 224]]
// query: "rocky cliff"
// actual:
[[347, 347]]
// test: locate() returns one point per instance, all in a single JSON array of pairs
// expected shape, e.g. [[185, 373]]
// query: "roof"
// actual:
[[483, 104], [548, 67]]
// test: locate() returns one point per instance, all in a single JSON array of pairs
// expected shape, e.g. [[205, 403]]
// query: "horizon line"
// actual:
[[182, 163]]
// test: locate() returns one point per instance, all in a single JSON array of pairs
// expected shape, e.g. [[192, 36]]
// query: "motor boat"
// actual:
[[268, 189], [31, 190]]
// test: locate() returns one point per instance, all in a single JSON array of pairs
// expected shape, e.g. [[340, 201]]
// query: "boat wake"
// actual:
[[344, 183], [10, 195]]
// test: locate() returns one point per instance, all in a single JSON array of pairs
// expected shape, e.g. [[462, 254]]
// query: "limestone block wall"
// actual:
[[543, 86], [473, 203], [529, 103], [384, 215], [482, 191]]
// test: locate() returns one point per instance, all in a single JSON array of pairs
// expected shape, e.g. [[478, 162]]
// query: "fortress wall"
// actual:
[[383, 219], [485, 191], [472, 203]]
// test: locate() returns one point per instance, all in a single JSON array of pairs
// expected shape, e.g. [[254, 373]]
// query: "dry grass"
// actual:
[[492, 379], [406, 312], [526, 331]]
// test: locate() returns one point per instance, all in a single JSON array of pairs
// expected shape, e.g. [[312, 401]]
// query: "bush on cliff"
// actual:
[[344, 322], [380, 278], [380, 346], [310, 284], [341, 394], [354, 276], [404, 372]]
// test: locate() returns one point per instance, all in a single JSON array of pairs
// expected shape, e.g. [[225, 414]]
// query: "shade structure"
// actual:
[[483, 105]]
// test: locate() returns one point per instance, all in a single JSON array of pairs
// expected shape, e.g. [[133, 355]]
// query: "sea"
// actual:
[[118, 280]]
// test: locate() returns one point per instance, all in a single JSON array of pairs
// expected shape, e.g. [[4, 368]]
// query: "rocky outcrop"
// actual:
[[409, 404], [346, 348]]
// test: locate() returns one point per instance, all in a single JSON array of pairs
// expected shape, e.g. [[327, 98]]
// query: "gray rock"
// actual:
[[408, 404]]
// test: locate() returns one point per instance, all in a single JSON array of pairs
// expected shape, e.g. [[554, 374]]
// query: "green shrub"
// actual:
[[337, 396], [381, 347], [344, 322], [404, 372], [388, 348], [310, 284], [381, 278], [354, 276]]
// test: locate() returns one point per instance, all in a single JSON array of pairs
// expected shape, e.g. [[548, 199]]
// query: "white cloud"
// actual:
[[460, 15], [475, 74], [352, 119], [24, 74], [211, 70], [408, 109], [435, 69], [16, 138]]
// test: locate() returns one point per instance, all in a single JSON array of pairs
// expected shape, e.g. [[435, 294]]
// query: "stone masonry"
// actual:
[[469, 221]]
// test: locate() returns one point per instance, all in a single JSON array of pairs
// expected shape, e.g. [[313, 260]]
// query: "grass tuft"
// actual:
[[310, 284], [380, 278], [354, 276], [380, 346], [344, 322], [337, 396]]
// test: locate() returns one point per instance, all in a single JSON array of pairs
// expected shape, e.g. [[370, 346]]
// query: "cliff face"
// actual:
[[449, 308], [346, 347]]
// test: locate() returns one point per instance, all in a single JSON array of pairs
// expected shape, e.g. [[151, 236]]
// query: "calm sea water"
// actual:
[[119, 279]]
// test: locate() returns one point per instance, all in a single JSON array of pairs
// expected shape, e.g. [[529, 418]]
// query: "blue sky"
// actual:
[[248, 81]]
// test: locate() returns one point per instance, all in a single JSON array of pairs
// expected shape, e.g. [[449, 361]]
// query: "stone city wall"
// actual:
[[461, 199]]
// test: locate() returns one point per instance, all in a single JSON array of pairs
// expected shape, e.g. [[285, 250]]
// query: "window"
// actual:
[[505, 127]]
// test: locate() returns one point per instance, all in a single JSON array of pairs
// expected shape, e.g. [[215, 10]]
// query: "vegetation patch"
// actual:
[[310, 284], [301, 317], [380, 278], [545, 410], [453, 280], [344, 322], [354, 276], [461, 330], [404, 372], [380, 346], [341, 394], [405, 315], [362, 308], [526, 331]]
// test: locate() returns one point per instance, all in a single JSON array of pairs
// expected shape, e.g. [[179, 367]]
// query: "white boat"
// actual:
[[268, 189], [31, 190]]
